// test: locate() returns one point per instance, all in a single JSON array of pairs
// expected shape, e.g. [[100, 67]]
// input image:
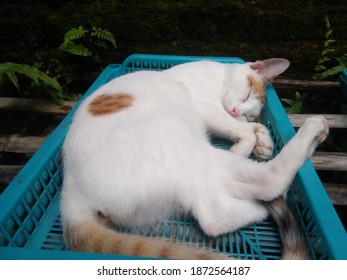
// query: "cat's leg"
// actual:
[[232, 203], [219, 122], [313, 132], [218, 213], [267, 180]]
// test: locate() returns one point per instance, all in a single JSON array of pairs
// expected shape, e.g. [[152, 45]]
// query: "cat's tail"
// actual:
[[293, 241], [91, 236]]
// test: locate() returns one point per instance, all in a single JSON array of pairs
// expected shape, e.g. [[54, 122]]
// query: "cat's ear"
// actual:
[[270, 68]]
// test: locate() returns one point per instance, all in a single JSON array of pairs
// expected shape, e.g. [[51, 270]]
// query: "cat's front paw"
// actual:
[[264, 145], [245, 144]]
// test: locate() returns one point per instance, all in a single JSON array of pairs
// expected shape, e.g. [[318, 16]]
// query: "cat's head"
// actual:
[[244, 86]]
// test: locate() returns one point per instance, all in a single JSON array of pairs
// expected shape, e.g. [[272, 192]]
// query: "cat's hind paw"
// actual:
[[264, 145], [324, 131], [318, 126], [314, 131]]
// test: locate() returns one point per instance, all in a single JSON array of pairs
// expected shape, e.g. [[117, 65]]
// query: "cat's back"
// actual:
[[144, 88], [143, 103], [199, 76]]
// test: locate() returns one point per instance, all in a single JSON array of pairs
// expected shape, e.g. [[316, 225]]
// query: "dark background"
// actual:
[[31, 31]]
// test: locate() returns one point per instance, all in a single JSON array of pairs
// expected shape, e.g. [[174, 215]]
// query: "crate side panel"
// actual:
[[260, 241]]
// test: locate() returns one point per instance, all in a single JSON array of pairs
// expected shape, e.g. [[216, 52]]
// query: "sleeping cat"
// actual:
[[138, 153]]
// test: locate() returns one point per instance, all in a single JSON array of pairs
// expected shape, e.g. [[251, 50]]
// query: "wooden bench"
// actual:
[[323, 161], [16, 143], [329, 161]]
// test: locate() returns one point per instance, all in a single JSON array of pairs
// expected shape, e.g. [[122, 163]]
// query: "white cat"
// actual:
[[138, 153]]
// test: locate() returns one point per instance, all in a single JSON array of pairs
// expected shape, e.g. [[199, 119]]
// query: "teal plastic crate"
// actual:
[[343, 82], [30, 226]]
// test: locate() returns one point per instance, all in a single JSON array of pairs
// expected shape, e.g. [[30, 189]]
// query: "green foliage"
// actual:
[[321, 70], [78, 41], [103, 36], [38, 77], [69, 44], [294, 106]]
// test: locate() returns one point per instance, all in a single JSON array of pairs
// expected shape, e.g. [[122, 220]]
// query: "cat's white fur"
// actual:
[[152, 159]]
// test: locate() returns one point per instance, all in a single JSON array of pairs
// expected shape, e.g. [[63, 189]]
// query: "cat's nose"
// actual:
[[235, 112]]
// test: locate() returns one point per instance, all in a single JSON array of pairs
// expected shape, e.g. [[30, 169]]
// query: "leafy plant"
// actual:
[[321, 71], [294, 106], [69, 44], [103, 36], [38, 77], [77, 41], [342, 64]]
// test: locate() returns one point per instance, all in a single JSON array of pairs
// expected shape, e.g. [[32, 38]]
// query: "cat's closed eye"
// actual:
[[249, 94]]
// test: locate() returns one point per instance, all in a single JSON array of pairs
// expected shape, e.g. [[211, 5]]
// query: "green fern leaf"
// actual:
[[327, 22], [79, 49], [319, 67], [328, 33], [30, 72], [328, 42], [342, 60], [323, 59], [332, 71], [10, 69], [327, 50], [290, 102], [104, 35], [75, 33], [12, 76], [295, 109]]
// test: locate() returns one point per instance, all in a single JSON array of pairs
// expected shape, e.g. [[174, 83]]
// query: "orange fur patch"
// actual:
[[164, 252], [258, 87], [107, 104]]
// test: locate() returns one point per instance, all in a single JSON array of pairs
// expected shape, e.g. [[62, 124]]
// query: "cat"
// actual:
[[138, 152]]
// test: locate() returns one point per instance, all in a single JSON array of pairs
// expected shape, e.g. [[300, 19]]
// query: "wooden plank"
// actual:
[[35, 105], [29, 144], [334, 120], [8, 172], [330, 161], [20, 144], [337, 193], [306, 85]]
